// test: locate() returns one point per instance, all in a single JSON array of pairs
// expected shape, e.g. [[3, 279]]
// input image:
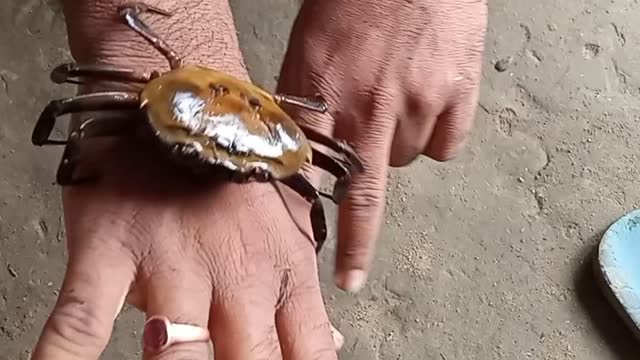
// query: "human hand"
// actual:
[[401, 79], [226, 257]]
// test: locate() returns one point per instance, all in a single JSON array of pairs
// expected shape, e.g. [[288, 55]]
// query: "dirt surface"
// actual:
[[485, 257]]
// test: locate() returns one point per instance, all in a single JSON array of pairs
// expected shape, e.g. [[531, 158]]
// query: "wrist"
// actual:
[[201, 32]]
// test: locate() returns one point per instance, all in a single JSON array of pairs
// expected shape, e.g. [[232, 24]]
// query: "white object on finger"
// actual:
[[160, 333]]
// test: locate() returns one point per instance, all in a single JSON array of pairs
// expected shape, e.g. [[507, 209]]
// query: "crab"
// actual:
[[202, 114]]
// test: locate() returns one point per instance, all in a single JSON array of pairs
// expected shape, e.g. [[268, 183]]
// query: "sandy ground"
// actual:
[[485, 257]]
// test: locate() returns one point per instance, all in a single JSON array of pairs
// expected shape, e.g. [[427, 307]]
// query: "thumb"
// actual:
[[361, 214]]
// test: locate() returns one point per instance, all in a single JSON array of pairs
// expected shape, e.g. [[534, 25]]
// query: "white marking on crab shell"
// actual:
[[228, 130], [225, 163], [260, 165], [189, 148], [228, 164], [287, 140], [197, 146]]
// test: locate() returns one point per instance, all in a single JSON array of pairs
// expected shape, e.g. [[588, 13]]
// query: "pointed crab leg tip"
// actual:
[[358, 164], [60, 73]]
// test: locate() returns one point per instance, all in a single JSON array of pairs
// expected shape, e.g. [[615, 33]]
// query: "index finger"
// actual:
[[361, 214]]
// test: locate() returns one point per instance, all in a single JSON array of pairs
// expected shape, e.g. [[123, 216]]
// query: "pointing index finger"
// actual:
[[360, 215]]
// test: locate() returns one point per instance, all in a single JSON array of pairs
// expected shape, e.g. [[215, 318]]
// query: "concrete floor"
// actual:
[[482, 258]]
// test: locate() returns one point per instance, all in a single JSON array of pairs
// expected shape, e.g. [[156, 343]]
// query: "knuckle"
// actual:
[[447, 143], [404, 150], [354, 255], [426, 105], [367, 195], [286, 288], [448, 152], [443, 156]]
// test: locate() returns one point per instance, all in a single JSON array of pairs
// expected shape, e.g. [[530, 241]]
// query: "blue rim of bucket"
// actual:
[[624, 298]]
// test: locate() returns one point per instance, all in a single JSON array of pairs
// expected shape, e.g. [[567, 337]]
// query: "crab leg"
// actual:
[[336, 168], [89, 102], [303, 187], [315, 103], [339, 146], [78, 73], [109, 125], [130, 14]]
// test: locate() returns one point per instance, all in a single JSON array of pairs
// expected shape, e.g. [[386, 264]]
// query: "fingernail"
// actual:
[[351, 281], [338, 338]]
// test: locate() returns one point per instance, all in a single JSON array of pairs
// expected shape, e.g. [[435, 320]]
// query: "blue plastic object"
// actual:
[[618, 267]]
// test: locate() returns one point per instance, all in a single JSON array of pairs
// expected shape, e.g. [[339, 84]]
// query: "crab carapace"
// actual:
[[205, 114]]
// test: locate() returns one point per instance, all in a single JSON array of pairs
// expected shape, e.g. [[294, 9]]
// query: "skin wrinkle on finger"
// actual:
[[269, 347], [453, 130], [166, 292], [252, 303], [360, 216], [291, 254], [418, 116], [258, 234], [82, 319], [75, 324], [302, 322], [409, 139]]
